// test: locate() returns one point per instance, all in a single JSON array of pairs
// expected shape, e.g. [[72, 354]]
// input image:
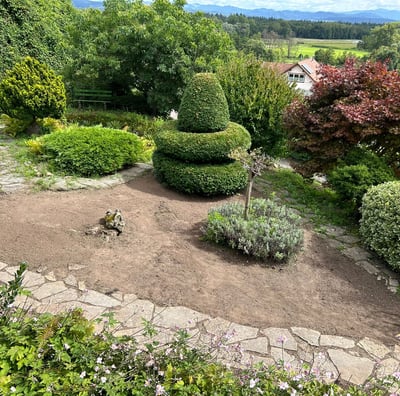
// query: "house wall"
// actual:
[[305, 85]]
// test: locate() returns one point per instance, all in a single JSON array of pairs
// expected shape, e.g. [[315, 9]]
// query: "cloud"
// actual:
[[307, 5]]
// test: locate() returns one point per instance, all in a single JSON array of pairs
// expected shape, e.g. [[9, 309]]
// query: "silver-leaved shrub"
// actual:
[[271, 231]]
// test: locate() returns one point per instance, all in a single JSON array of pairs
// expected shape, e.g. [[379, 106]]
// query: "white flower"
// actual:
[[99, 360], [253, 383], [66, 346], [13, 389], [103, 379], [83, 374]]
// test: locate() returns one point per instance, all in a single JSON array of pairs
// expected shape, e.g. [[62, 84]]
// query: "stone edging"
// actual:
[[347, 359]]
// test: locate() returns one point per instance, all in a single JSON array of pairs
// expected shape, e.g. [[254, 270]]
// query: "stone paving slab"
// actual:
[[335, 357]]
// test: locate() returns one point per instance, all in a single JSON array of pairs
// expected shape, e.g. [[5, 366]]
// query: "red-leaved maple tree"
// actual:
[[358, 103]]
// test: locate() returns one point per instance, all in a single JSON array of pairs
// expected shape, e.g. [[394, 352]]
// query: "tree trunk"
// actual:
[[248, 196]]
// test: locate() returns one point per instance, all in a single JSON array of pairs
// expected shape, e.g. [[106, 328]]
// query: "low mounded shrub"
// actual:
[[380, 221], [203, 107], [271, 232], [202, 147], [91, 151], [359, 170], [201, 179]]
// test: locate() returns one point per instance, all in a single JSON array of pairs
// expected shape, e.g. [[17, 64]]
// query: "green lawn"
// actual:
[[307, 47]]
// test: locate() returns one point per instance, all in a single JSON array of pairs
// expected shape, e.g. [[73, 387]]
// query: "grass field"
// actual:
[[307, 47]]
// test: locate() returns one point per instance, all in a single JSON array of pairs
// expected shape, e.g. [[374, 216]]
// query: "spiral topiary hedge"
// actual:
[[204, 107], [203, 147], [380, 221], [201, 179]]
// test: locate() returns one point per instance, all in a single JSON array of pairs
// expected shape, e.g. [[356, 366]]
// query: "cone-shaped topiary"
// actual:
[[204, 107]]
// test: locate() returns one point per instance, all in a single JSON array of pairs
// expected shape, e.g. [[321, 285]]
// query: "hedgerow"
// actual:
[[202, 147], [201, 179]]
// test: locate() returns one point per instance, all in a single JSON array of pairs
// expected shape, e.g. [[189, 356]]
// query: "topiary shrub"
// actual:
[[204, 107], [271, 231], [203, 147], [201, 179], [31, 90], [359, 170], [89, 151], [380, 221]]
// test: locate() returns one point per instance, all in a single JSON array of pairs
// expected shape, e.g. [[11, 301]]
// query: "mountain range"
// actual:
[[378, 16]]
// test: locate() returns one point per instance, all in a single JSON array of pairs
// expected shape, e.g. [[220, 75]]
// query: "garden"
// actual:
[[217, 226]]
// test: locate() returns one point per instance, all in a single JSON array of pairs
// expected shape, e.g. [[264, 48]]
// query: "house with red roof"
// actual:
[[303, 73]]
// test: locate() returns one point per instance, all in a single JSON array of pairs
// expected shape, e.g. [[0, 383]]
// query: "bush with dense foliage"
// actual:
[[31, 90], [90, 151], [202, 179], [270, 232], [202, 147], [357, 172], [380, 221], [45, 354], [257, 97], [352, 105], [196, 160], [203, 107], [140, 124]]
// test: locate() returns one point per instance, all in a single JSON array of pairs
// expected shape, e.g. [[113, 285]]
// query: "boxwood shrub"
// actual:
[[203, 147], [201, 179], [271, 231], [204, 107], [360, 169], [380, 221], [91, 151]]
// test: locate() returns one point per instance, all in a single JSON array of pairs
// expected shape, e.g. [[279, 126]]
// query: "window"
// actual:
[[296, 77]]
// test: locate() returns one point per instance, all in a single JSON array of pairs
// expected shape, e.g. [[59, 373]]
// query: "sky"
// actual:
[[308, 5]]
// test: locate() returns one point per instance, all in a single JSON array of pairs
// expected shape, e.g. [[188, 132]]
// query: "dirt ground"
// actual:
[[161, 257]]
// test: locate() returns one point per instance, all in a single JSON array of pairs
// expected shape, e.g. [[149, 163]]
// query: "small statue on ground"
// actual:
[[114, 220]]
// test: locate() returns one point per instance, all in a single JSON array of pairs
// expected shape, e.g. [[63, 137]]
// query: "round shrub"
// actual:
[[32, 90], [203, 147], [380, 221], [271, 231], [201, 179], [89, 151], [204, 107], [359, 170]]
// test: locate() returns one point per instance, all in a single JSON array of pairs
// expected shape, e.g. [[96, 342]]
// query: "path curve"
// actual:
[[348, 359]]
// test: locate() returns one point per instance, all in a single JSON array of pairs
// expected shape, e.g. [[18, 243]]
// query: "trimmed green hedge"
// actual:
[[202, 179], [380, 221], [91, 151], [203, 147], [204, 107]]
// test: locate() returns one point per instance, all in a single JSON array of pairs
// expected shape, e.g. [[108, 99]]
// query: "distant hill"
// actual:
[[372, 16]]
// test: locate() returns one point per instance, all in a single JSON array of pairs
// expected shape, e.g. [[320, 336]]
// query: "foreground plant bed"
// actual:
[[44, 354]]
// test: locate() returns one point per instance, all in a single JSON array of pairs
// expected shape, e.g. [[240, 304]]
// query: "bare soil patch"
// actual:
[[160, 257]]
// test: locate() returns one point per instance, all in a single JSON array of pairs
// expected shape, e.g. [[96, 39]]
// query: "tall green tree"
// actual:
[[153, 49], [384, 43], [34, 28], [257, 96]]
